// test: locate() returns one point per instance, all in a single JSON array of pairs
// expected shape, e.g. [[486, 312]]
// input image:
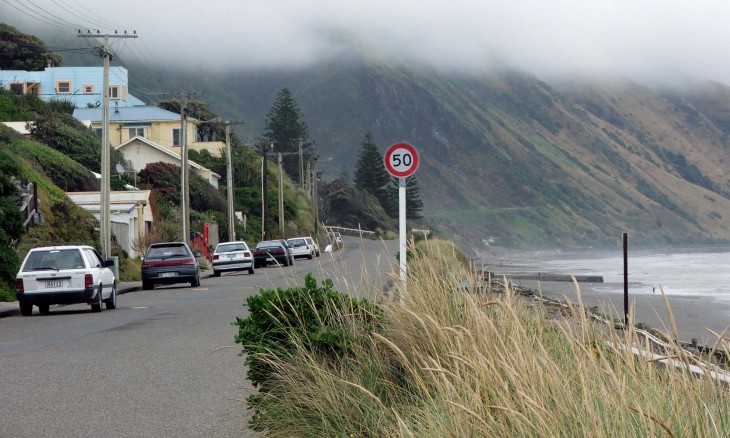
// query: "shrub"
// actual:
[[69, 136], [63, 171], [282, 320]]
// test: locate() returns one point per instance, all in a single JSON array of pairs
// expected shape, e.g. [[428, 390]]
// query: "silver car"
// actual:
[[232, 256]]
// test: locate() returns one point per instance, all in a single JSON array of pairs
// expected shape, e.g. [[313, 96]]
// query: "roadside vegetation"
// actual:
[[455, 359]]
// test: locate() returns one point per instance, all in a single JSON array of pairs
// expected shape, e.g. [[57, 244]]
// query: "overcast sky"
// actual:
[[641, 39]]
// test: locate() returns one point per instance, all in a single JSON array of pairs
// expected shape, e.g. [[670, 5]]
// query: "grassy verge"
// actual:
[[448, 362]]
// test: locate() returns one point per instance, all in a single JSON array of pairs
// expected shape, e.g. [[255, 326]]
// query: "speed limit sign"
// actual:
[[401, 160]]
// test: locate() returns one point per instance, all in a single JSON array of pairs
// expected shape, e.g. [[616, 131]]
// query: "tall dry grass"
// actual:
[[449, 362]]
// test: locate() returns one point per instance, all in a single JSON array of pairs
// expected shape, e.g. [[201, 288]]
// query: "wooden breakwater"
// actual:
[[541, 276]]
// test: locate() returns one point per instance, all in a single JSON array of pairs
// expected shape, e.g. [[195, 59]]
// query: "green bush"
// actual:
[[70, 137], [309, 316], [64, 172]]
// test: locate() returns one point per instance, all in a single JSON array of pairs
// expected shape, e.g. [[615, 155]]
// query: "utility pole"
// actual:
[[264, 188], [301, 164], [105, 227], [281, 197], [184, 175], [229, 182], [315, 195]]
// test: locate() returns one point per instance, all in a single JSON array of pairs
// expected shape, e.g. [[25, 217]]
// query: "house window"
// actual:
[[136, 132], [114, 92], [16, 88], [98, 132], [63, 87], [176, 136], [88, 89]]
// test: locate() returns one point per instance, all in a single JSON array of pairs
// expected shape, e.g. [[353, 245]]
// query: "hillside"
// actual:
[[510, 157], [505, 155]]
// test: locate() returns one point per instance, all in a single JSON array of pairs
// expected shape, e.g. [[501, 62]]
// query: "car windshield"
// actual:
[[230, 247], [166, 252], [56, 259]]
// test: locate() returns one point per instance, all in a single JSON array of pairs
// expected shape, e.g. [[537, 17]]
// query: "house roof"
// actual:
[[166, 151], [127, 114], [118, 200], [20, 127]]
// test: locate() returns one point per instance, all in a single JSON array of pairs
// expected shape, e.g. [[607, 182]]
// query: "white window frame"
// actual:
[[135, 132], [176, 133]]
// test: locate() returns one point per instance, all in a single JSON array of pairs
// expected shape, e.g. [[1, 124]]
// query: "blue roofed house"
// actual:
[[80, 85], [143, 134]]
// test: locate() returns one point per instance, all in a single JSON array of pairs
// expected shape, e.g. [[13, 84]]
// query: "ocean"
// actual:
[[695, 280]]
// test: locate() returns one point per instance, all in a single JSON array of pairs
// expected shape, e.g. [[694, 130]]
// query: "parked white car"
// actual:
[[65, 274], [301, 248], [314, 243], [232, 256]]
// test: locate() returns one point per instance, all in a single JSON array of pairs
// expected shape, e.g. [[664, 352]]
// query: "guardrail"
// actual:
[[351, 231]]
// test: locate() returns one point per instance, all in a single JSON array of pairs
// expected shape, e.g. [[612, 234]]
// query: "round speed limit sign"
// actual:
[[401, 160]]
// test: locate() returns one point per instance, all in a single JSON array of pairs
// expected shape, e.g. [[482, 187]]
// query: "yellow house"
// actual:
[[160, 126]]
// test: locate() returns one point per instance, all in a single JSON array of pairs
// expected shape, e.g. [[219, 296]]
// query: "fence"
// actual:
[[351, 231], [30, 204]]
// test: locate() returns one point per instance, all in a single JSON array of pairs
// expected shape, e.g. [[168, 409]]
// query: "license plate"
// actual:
[[231, 256], [168, 274], [54, 283]]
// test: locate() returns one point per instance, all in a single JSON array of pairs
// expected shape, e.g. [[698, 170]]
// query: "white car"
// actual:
[[335, 237], [232, 256], [301, 248], [65, 274], [312, 242]]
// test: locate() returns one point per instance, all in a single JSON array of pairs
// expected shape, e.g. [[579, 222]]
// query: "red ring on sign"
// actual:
[[410, 170]]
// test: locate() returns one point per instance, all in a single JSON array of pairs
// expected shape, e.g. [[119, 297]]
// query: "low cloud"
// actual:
[[648, 40]]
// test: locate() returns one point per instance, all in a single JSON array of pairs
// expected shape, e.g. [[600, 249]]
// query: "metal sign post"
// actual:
[[401, 161]]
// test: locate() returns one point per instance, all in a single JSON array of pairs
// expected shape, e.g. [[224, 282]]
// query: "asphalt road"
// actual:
[[163, 364]]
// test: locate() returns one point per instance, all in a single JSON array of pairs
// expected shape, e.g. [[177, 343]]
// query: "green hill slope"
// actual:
[[505, 156], [510, 157]]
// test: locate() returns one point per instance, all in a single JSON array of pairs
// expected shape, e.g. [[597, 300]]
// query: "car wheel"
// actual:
[[111, 302], [251, 270], [147, 285], [96, 305], [196, 281], [311, 256], [44, 308], [287, 262], [26, 309], [216, 273]]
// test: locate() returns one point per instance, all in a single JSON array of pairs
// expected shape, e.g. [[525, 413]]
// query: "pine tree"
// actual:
[[414, 205], [286, 127], [371, 176]]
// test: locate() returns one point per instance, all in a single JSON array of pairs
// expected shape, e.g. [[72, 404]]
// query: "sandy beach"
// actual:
[[695, 317]]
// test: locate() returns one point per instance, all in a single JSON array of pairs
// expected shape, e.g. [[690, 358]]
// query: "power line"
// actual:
[[53, 15], [34, 15], [86, 7], [72, 12]]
